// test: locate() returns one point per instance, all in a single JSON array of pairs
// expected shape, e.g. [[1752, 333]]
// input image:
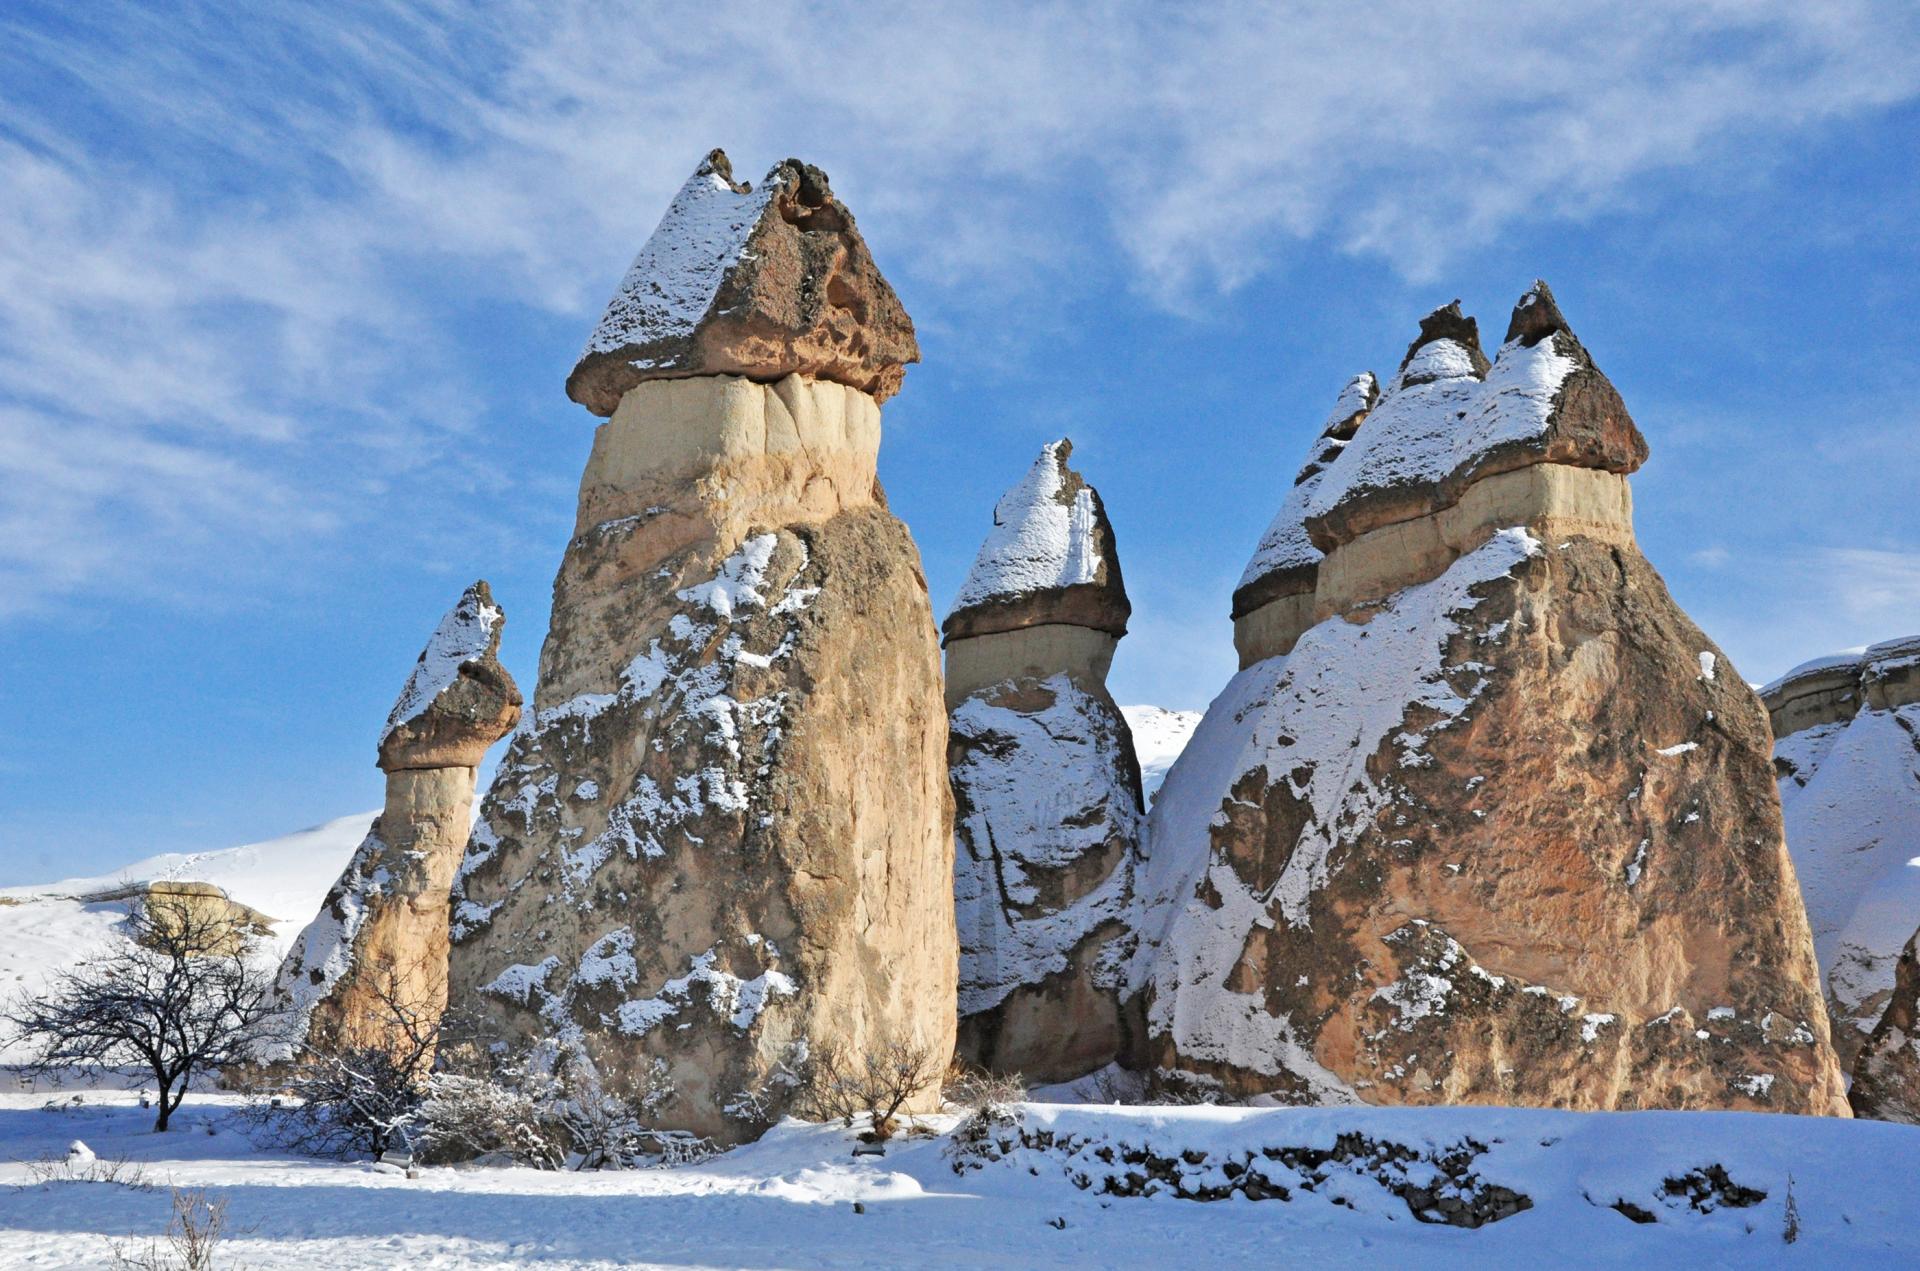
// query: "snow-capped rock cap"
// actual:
[[1050, 557], [1447, 347], [1891, 673], [760, 281], [1286, 561], [459, 700], [1450, 418]]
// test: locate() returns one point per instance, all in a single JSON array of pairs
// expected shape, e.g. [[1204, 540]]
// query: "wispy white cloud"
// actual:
[[231, 241]]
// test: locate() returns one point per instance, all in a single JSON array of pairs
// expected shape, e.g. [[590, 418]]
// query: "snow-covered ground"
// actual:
[[45, 928], [788, 1200]]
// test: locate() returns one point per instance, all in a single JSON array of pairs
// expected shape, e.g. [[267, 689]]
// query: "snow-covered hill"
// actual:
[[1159, 735], [46, 927]]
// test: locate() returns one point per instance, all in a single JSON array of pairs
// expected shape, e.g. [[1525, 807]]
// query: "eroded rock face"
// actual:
[[1886, 1076], [724, 840], [761, 281], [1499, 826], [377, 952], [1847, 754], [1046, 786]]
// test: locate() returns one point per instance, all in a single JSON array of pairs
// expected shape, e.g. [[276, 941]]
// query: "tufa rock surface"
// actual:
[[724, 841], [1847, 754], [1500, 826], [1886, 1075], [377, 951], [760, 281], [1046, 786]]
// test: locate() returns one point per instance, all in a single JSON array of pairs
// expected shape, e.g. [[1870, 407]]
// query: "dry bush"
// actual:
[[876, 1083], [359, 1094], [117, 1171], [190, 1242]]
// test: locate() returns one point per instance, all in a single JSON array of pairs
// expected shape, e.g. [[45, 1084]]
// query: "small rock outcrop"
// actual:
[[725, 839], [1886, 1073], [379, 944], [763, 282], [1047, 802], [1847, 753], [1497, 824]]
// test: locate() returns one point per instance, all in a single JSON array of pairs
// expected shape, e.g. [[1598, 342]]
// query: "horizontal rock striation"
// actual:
[[1497, 826]]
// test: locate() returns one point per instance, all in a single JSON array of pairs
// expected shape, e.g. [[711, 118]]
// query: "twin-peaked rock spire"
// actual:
[[1488, 819], [1046, 785]]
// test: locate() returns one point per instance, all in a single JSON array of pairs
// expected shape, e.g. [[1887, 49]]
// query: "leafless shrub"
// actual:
[[1790, 1232], [190, 1242], [117, 1171], [359, 1094], [992, 1104], [1172, 1087], [876, 1084], [187, 994]]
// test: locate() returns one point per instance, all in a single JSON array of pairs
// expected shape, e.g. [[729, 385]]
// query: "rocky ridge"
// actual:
[[1046, 785], [1334, 911]]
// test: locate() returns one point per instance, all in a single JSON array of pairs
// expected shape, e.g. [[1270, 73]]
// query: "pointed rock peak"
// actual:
[[1448, 347], [761, 282], [1535, 316], [1355, 400], [458, 696], [1050, 538], [717, 164]]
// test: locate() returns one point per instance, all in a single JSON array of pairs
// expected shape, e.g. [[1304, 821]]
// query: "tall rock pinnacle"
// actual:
[[379, 944], [1484, 817], [1046, 785], [725, 841]]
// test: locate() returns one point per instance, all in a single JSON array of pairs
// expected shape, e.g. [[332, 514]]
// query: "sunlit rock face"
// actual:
[[373, 962], [724, 837], [1490, 820], [1046, 785]]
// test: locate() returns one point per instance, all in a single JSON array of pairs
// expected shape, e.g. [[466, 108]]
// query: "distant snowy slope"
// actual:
[[1159, 735], [49, 926]]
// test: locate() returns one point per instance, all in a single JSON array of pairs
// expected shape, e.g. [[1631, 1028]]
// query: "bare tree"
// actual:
[[188, 993], [878, 1082]]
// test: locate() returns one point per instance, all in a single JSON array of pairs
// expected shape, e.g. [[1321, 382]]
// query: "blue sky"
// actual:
[[288, 296]]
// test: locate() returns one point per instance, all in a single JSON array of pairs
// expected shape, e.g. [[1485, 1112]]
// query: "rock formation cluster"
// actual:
[[376, 955], [1482, 817], [724, 840], [1488, 820], [1847, 753], [1046, 786]]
